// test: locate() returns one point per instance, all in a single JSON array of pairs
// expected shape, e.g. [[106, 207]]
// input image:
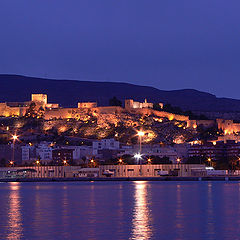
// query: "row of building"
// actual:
[[103, 149], [106, 149], [109, 148]]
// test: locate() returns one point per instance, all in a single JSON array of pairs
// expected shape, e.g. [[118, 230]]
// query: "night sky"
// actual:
[[168, 44]]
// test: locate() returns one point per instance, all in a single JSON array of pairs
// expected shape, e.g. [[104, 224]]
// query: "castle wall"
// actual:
[[62, 113], [170, 116], [7, 111], [204, 123], [228, 126], [87, 104]]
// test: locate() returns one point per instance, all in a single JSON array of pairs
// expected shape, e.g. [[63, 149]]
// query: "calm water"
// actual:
[[120, 210]]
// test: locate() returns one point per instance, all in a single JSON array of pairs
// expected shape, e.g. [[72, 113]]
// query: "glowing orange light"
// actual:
[[14, 137]]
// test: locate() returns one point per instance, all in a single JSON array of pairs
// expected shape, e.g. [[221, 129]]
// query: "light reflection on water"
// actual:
[[14, 213], [120, 210], [179, 213], [142, 227]]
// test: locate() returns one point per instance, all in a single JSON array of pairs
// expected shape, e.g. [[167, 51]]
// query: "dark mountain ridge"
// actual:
[[69, 92]]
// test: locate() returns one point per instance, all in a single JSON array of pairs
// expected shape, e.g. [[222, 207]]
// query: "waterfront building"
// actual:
[[172, 152], [215, 150], [41, 171], [80, 152], [62, 155], [108, 144], [41, 151], [156, 170], [44, 151]]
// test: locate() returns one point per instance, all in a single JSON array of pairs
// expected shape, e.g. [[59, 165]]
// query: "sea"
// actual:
[[139, 210]]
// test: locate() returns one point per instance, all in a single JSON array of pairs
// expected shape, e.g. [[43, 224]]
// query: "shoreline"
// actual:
[[99, 179]]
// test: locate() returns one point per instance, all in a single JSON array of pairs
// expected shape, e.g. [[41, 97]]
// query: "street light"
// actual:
[[138, 156], [210, 160], [92, 162], [140, 135], [38, 162], [120, 161], [65, 162], [11, 163], [149, 160], [14, 138], [178, 160]]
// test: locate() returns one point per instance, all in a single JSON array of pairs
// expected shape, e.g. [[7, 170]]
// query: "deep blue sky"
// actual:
[[168, 44]]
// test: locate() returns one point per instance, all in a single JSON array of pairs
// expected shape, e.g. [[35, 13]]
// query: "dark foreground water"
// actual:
[[120, 210]]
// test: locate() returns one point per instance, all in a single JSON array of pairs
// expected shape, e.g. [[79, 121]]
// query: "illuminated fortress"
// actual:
[[54, 111]]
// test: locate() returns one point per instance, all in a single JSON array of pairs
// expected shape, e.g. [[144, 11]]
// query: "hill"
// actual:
[[69, 92]]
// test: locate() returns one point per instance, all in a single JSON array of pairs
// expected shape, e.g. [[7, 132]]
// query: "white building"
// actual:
[[109, 144], [81, 151], [27, 153], [44, 151], [172, 152]]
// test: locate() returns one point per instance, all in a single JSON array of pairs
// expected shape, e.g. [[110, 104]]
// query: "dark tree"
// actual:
[[31, 111]]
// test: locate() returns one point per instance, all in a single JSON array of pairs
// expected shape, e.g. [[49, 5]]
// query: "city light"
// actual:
[[15, 137], [120, 161], [140, 133], [64, 162], [11, 163], [37, 162], [149, 160], [138, 156], [178, 160]]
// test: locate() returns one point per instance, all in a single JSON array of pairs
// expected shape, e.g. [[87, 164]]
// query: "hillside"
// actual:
[[69, 92]]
